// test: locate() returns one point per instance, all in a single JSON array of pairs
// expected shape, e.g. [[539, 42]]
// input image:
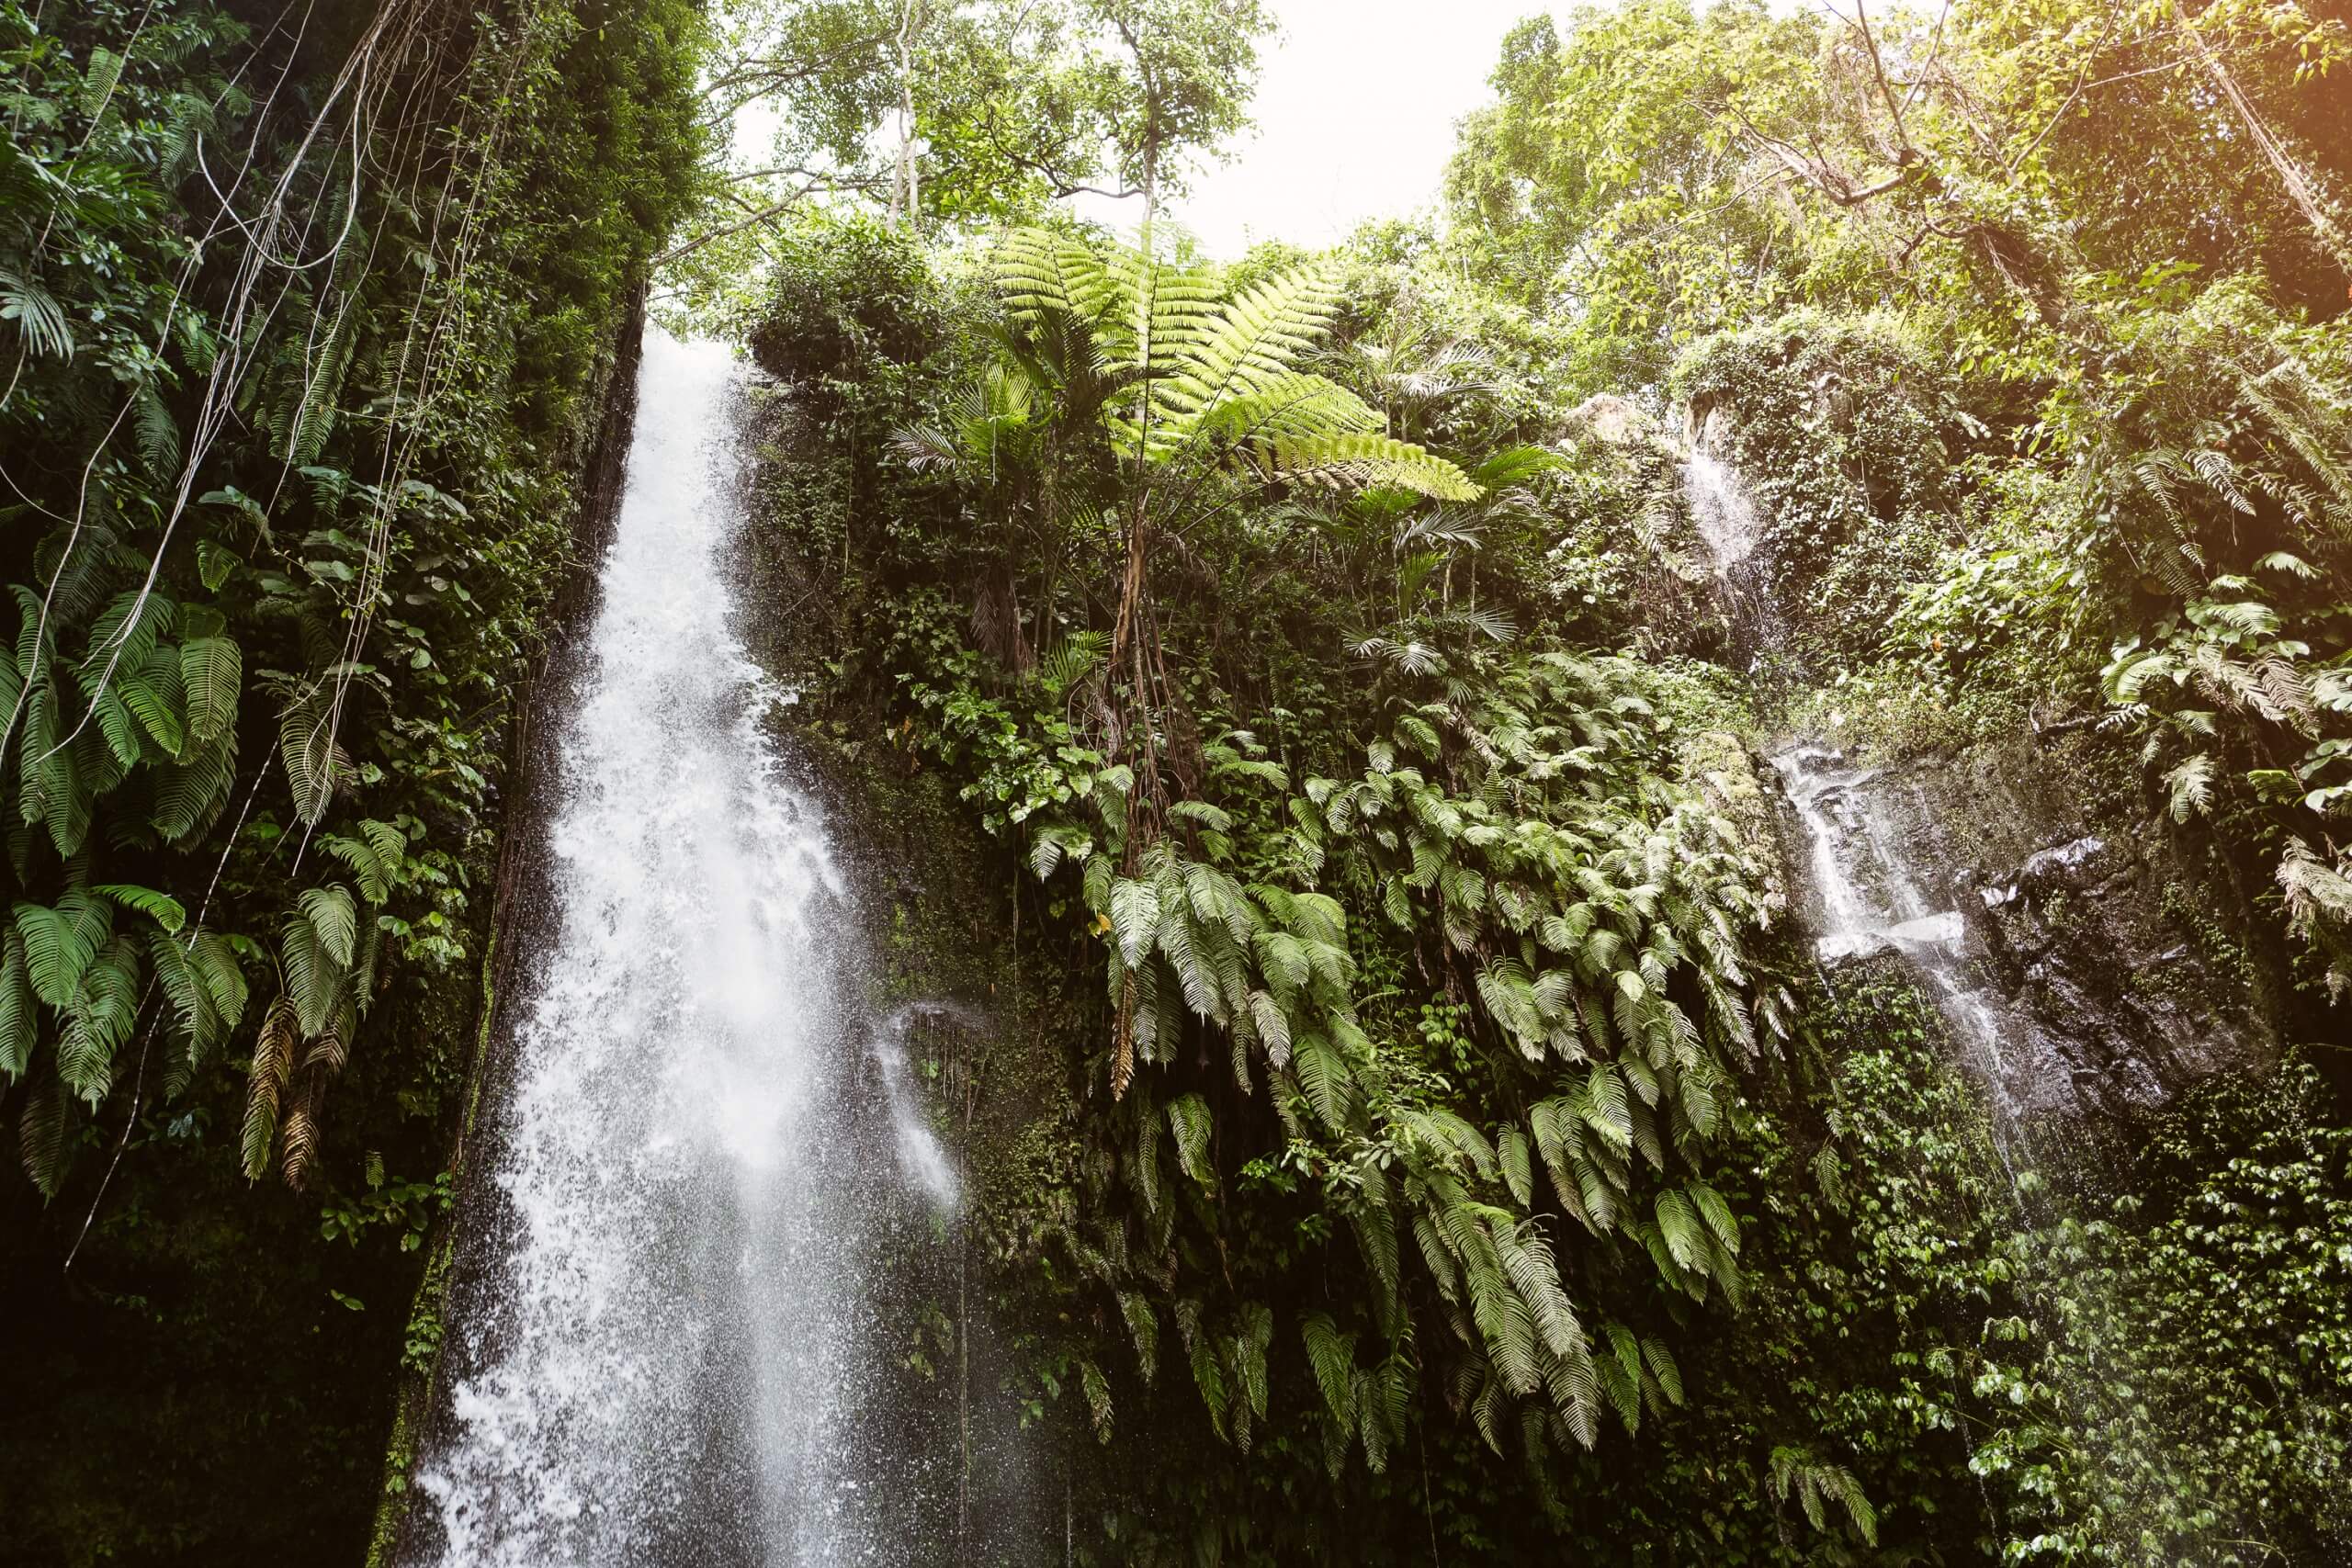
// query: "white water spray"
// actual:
[[663, 1350], [1871, 899]]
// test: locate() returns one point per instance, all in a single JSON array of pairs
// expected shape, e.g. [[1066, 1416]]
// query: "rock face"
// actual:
[[2075, 983], [2063, 954], [1609, 419]]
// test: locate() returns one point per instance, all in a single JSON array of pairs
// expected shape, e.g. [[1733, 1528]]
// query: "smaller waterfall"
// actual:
[[1870, 896], [1870, 892], [923, 1163], [1719, 507], [1727, 525]]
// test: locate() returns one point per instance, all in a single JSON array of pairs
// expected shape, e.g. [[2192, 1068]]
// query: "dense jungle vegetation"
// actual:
[[309, 317], [1447, 1146]]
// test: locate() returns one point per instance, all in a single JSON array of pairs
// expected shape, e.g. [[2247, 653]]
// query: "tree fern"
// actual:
[[1261, 333]]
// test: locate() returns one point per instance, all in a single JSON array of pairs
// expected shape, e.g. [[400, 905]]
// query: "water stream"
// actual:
[[1871, 896], [1867, 891], [664, 1345], [1728, 527]]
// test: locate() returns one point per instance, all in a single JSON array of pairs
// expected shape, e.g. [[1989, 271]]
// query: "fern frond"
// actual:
[[211, 669], [1256, 339], [1324, 1079], [300, 1145], [1360, 460], [266, 1083], [190, 793], [1331, 1356], [306, 745], [58, 949], [1037, 272], [19, 1021], [41, 319], [40, 1134], [153, 691], [1143, 1327], [1284, 404], [2190, 786], [332, 914], [366, 865], [1188, 1116], [159, 435]]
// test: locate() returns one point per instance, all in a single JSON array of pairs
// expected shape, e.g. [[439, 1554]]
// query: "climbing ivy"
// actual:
[[306, 325]]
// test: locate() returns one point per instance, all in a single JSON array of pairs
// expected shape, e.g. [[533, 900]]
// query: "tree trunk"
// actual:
[[903, 178]]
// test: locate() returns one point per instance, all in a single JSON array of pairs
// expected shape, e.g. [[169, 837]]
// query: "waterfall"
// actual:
[[1870, 888], [663, 1336], [1727, 525], [1869, 896]]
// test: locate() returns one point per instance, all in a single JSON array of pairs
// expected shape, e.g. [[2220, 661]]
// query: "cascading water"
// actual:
[[1727, 525], [1867, 890], [663, 1344], [1869, 896]]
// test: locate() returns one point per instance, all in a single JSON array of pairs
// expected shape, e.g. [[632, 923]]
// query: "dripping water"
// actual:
[[1868, 893], [1871, 896], [667, 1340]]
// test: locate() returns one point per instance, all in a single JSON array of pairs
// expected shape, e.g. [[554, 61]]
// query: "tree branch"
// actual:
[[770, 70], [774, 209]]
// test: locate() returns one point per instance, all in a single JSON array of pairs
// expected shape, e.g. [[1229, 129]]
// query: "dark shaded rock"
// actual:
[[2069, 961]]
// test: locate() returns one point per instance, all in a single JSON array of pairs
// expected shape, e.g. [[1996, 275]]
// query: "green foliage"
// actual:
[[1432, 1083], [1666, 171], [321, 558], [1850, 443], [1209, 383], [1427, 971], [968, 114], [299, 369]]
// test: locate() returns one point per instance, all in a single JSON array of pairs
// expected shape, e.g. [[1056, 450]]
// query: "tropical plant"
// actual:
[[1208, 406], [1600, 943], [306, 319]]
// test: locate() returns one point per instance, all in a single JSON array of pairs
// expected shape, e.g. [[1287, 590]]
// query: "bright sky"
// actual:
[[1355, 110]]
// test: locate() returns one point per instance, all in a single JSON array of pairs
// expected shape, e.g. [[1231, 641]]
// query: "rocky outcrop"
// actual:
[[2068, 957]]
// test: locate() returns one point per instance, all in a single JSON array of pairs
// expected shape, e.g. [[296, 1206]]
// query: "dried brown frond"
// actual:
[[273, 1063], [302, 1131]]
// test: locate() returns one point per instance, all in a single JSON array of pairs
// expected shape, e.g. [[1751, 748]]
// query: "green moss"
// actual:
[[421, 1352]]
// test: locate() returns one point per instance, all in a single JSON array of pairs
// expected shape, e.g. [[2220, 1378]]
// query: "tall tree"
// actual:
[[978, 112], [1184, 82]]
